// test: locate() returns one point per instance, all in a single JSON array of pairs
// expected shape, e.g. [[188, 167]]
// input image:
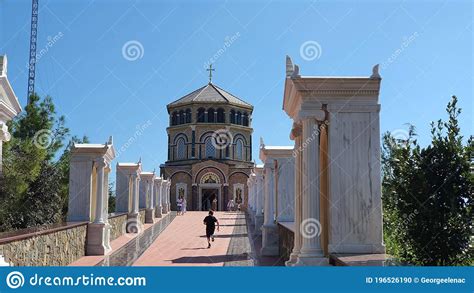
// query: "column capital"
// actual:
[[100, 162]]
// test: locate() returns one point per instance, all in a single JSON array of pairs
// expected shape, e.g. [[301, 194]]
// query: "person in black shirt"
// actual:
[[210, 222]]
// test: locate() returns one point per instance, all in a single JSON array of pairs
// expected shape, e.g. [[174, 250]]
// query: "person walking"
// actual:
[[179, 204], [183, 208], [230, 205], [214, 204], [210, 222]]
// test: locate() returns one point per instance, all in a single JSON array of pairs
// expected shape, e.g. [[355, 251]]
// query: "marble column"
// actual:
[[296, 135], [98, 232], [165, 198], [168, 192], [311, 252], [88, 193], [258, 191], [146, 195], [158, 205], [99, 210], [269, 228], [251, 207]]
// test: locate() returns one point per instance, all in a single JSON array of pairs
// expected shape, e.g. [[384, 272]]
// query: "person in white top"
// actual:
[[183, 208], [230, 205]]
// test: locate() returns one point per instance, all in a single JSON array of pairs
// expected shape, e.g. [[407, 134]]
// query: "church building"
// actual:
[[209, 149]]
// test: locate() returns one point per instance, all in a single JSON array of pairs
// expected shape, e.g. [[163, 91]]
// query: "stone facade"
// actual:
[[9, 105], [209, 149], [336, 130], [117, 224], [54, 247]]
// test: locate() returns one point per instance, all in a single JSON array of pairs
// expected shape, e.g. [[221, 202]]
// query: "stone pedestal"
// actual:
[[269, 240], [98, 239], [165, 209], [149, 216], [158, 212]]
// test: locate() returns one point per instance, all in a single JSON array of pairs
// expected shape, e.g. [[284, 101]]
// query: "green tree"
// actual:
[[34, 187], [428, 195]]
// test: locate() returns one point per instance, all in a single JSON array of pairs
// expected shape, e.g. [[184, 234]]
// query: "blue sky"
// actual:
[[424, 48]]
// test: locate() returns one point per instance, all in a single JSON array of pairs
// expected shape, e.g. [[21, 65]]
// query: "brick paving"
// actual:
[[183, 243]]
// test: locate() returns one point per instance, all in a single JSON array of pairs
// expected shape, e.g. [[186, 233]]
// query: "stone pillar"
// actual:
[[165, 197], [311, 252], [352, 186], [158, 204], [285, 206], [259, 193], [296, 136], [9, 106], [168, 194], [269, 228], [98, 232], [88, 193], [146, 195], [251, 207], [126, 187]]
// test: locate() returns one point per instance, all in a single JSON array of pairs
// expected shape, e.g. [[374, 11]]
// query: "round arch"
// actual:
[[198, 173]]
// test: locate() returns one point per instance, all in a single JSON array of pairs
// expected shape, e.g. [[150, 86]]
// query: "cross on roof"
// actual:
[[210, 69]]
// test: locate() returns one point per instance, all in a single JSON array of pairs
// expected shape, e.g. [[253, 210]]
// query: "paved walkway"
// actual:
[[183, 243]]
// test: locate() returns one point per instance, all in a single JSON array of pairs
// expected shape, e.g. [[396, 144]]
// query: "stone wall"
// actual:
[[117, 222], [285, 241], [55, 246]]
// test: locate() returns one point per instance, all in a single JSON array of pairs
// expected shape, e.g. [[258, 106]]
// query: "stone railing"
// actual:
[[53, 245], [286, 237], [117, 222]]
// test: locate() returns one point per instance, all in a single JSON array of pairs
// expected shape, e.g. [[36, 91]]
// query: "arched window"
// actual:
[[210, 115], [210, 148], [174, 118], [200, 115], [232, 116], [246, 119], [239, 149], [181, 117], [180, 149], [188, 115], [239, 118], [220, 115]]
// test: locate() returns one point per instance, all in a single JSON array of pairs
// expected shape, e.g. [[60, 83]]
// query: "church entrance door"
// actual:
[[210, 197]]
